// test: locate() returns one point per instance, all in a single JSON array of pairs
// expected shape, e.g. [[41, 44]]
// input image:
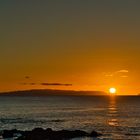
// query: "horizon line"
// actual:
[[105, 93]]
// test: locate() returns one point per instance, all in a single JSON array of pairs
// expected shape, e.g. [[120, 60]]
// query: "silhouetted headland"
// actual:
[[50, 92]]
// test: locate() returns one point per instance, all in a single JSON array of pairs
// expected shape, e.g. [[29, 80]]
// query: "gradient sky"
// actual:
[[92, 44]]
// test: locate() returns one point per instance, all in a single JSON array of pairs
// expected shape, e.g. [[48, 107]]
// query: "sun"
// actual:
[[112, 91]]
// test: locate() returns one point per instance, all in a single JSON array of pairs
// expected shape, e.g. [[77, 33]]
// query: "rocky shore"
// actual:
[[46, 134]]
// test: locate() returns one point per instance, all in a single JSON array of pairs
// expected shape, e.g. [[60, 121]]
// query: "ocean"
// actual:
[[117, 118]]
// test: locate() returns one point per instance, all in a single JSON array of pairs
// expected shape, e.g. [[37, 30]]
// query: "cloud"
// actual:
[[124, 76], [109, 74], [55, 84], [28, 83], [27, 77], [46, 84], [32, 83], [122, 71]]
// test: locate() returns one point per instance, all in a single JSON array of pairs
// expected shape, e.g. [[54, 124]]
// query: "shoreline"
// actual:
[[46, 134]]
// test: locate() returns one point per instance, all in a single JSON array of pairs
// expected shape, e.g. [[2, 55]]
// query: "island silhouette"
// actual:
[[52, 92]]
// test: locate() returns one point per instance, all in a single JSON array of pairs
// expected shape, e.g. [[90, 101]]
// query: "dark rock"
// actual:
[[9, 133], [36, 134], [48, 134], [12, 133], [37, 131], [40, 134], [94, 134], [65, 134], [49, 130]]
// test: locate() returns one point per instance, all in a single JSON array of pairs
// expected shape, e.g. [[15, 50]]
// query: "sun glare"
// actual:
[[112, 91]]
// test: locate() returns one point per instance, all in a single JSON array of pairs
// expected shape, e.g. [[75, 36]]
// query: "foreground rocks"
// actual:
[[47, 134]]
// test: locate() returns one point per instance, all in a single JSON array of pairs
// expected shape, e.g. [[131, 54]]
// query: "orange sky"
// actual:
[[90, 44]]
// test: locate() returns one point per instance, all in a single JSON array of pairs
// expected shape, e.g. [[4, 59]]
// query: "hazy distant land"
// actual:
[[50, 92]]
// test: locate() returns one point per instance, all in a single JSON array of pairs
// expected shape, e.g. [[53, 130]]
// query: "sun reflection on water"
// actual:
[[113, 113]]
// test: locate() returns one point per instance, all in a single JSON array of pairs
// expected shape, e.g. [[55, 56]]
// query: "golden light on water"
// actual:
[[112, 91]]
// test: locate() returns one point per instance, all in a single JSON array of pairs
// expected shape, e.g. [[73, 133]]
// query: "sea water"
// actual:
[[117, 118]]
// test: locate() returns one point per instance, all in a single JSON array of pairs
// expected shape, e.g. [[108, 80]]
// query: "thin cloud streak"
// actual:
[[124, 76], [55, 84], [117, 72], [47, 84], [122, 71]]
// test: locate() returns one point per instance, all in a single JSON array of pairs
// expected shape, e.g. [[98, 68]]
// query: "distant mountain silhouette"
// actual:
[[50, 92]]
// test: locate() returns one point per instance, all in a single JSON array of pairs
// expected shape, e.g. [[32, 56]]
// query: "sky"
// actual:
[[70, 44]]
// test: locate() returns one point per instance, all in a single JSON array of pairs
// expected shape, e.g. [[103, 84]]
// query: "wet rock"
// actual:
[[36, 134], [12, 133], [9, 133], [48, 134], [94, 134], [40, 134]]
